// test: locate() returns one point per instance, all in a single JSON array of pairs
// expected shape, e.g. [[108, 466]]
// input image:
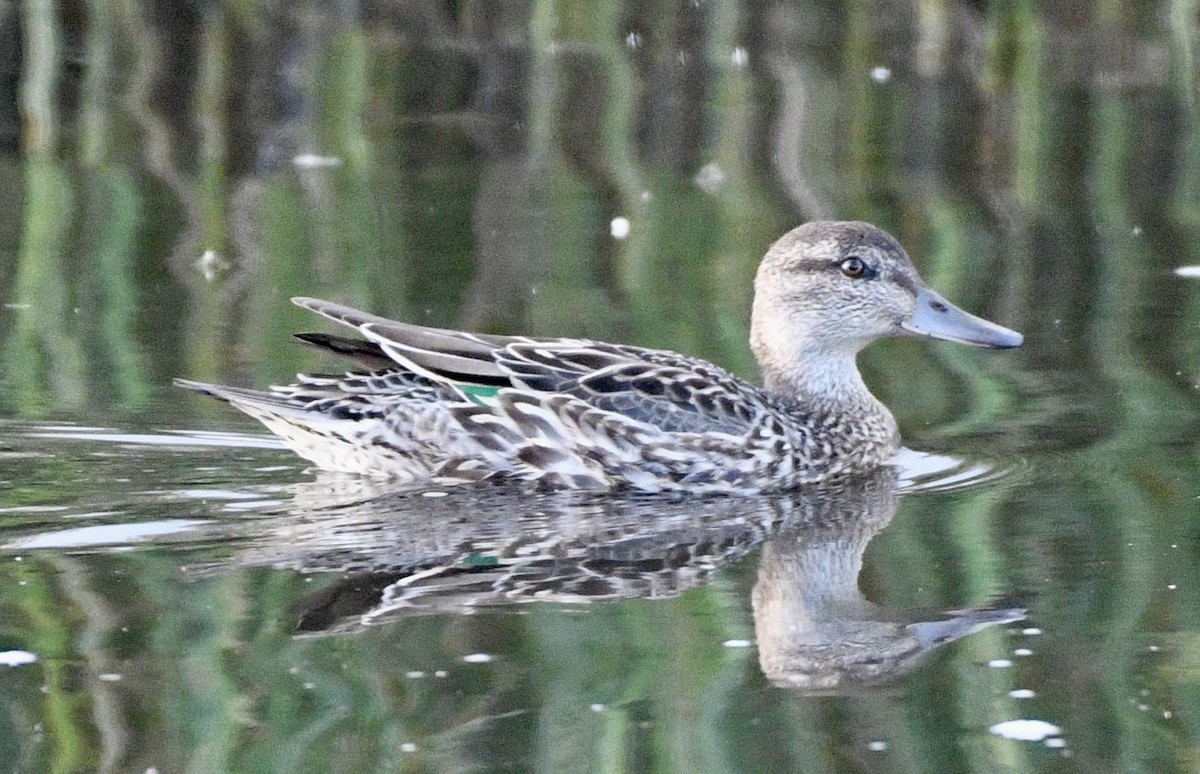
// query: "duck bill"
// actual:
[[939, 319]]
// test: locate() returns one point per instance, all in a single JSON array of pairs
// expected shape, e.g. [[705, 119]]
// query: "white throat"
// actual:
[[821, 376]]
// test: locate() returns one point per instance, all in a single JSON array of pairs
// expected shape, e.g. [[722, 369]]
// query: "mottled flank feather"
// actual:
[[449, 406]]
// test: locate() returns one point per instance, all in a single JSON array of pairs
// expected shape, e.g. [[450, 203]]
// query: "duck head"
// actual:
[[827, 289]]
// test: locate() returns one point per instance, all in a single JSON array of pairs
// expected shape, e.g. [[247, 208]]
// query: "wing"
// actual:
[[670, 391], [664, 389]]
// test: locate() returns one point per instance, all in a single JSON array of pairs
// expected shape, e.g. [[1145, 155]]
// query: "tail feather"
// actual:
[[256, 403], [221, 392]]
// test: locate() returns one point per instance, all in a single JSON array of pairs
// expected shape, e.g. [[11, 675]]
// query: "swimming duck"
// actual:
[[446, 406]]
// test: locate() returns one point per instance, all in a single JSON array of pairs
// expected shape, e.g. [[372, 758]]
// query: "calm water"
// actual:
[[179, 593]]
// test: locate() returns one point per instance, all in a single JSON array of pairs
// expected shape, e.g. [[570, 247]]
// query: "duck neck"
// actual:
[[828, 379], [825, 395], [831, 391]]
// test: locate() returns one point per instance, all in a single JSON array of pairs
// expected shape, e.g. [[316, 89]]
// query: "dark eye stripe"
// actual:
[[905, 282], [807, 266], [801, 266]]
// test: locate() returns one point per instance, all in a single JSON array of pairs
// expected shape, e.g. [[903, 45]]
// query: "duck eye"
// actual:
[[854, 267]]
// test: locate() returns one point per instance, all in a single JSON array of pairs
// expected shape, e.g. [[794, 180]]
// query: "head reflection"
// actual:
[[815, 630]]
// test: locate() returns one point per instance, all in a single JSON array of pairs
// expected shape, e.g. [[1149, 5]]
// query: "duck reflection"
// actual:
[[461, 551], [815, 630]]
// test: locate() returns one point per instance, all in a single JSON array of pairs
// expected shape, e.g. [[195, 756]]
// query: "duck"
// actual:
[[433, 406]]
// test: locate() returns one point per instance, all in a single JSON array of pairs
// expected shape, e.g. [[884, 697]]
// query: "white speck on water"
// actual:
[[1188, 271], [1167, 714], [1137, 230], [596, 707], [408, 747], [1056, 742], [881, 74], [18, 306], [1026, 730], [877, 745], [209, 263], [435, 494], [441, 673], [1143, 707], [33, 509], [1022, 652], [309, 686], [999, 663], [633, 41], [414, 674], [710, 178], [737, 643], [313, 161], [478, 658], [1021, 693], [110, 677], [214, 494], [740, 56], [645, 196], [107, 534], [1172, 586], [16, 658], [1154, 649], [619, 228], [249, 506]]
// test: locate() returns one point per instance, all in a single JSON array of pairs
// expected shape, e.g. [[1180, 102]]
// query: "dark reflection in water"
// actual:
[[467, 550]]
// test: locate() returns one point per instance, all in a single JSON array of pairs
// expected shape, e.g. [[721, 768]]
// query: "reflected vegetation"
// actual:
[[171, 173], [172, 180]]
